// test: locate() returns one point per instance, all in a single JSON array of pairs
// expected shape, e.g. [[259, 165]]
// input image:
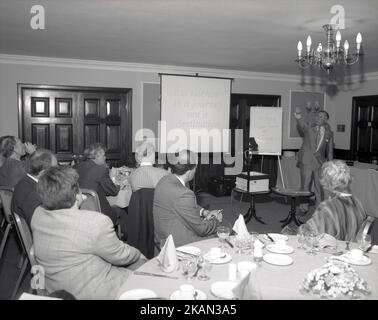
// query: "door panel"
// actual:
[[66, 120]]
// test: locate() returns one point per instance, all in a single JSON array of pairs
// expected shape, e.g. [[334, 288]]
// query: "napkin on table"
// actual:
[[240, 228], [326, 240], [167, 256], [248, 288]]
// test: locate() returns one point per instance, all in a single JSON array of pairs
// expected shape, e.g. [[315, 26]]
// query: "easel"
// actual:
[[279, 166]]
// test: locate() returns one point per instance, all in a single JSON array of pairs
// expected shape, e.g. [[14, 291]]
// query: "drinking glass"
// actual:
[[365, 242], [301, 239], [206, 267], [189, 267], [312, 241], [223, 233], [239, 244]]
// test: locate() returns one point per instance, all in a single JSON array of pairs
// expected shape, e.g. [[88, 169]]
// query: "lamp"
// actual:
[[332, 54]]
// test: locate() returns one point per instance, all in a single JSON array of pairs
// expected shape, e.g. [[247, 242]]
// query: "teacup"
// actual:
[[215, 253], [356, 254], [280, 244], [187, 292]]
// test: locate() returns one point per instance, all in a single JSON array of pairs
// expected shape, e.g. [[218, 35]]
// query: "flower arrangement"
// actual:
[[335, 280]]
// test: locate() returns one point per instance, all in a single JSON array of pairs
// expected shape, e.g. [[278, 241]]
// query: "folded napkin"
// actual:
[[240, 228], [248, 288], [168, 257], [326, 240]]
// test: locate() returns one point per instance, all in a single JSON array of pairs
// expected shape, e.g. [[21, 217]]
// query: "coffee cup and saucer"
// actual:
[[217, 256], [188, 292], [280, 246], [357, 257]]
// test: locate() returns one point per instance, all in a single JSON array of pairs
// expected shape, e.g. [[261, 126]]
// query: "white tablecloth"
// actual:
[[276, 282], [364, 185]]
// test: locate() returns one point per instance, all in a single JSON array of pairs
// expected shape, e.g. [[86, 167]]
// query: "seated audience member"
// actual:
[[25, 198], [175, 208], [341, 215], [146, 175], [78, 249], [94, 175], [13, 169]]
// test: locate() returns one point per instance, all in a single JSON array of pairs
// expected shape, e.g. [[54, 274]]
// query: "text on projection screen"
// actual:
[[196, 113]]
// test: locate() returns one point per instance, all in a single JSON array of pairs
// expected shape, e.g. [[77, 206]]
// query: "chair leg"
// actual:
[[21, 261], [5, 238], [20, 278]]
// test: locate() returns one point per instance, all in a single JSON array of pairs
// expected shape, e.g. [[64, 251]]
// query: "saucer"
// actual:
[[225, 258], [276, 236], [223, 289], [286, 250], [177, 295], [278, 259], [363, 261], [137, 294]]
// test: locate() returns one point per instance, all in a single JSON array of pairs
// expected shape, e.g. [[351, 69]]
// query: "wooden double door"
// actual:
[[66, 120]]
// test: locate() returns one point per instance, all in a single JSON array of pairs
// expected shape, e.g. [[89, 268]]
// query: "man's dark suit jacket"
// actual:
[[25, 198], [176, 212], [96, 177]]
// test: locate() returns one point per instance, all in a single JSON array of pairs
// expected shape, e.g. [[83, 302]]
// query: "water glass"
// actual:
[[223, 233], [206, 267], [312, 243], [365, 242], [189, 267], [301, 239], [239, 244]]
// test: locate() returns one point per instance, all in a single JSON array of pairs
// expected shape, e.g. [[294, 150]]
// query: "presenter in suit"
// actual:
[[317, 148], [175, 207]]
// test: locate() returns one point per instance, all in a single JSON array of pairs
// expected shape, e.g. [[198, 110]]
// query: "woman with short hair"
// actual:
[[342, 214], [13, 169]]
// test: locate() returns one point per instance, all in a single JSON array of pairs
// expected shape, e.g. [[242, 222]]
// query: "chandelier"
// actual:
[[330, 55]]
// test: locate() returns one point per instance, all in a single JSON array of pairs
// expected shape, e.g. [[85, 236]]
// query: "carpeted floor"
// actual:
[[269, 207]]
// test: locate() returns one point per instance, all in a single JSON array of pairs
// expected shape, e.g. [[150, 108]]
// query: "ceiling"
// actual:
[[248, 35]]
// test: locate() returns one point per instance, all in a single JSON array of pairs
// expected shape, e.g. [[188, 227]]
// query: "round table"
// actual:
[[276, 282]]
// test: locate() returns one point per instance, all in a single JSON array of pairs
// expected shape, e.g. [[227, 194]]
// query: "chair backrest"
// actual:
[[92, 201], [25, 236], [6, 194], [365, 228], [140, 221]]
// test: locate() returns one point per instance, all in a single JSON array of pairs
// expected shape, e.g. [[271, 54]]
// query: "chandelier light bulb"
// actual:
[[358, 41], [308, 43], [346, 45], [299, 47], [338, 38], [320, 47]]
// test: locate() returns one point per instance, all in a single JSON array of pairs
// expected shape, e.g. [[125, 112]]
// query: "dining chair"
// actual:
[[6, 194], [91, 202], [26, 238]]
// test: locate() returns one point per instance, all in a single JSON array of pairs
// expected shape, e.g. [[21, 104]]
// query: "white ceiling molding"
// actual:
[[152, 68]]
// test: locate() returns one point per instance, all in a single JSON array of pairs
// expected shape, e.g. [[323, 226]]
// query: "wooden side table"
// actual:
[[293, 194], [251, 213]]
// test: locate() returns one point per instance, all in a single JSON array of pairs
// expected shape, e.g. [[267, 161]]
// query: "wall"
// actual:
[[50, 71]]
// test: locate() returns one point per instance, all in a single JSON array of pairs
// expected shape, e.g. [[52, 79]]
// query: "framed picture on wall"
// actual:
[[309, 103]]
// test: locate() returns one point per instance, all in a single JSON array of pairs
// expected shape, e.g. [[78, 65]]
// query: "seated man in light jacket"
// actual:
[[175, 208], [78, 249]]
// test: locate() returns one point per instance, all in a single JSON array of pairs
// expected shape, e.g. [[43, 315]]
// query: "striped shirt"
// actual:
[[341, 217]]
